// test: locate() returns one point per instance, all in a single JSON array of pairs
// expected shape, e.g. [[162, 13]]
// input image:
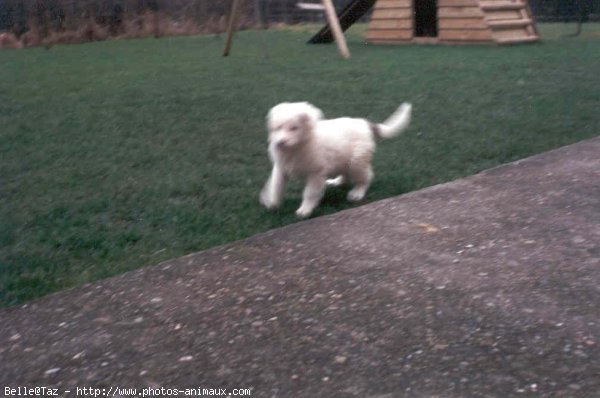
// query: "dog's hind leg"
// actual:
[[313, 192], [361, 178]]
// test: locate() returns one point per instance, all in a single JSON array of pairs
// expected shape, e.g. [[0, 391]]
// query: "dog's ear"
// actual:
[[312, 111], [310, 115], [304, 118]]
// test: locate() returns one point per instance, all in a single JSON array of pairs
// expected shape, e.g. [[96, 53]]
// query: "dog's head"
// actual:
[[291, 124]]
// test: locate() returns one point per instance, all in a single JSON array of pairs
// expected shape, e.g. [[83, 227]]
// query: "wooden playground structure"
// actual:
[[452, 22], [422, 22]]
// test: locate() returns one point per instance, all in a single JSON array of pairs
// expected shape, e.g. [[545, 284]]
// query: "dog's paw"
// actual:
[[267, 202], [303, 212], [356, 195]]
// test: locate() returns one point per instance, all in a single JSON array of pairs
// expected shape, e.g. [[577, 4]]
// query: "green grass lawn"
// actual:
[[116, 155]]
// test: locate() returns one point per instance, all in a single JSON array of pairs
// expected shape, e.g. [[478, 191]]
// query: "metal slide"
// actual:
[[349, 15]]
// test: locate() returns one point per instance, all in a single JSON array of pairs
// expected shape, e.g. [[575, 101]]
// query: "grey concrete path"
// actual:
[[488, 286]]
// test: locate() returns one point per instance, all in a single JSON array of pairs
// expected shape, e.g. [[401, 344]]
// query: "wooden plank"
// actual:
[[391, 24], [459, 12], [310, 6], [334, 23], [429, 41], [491, 16], [457, 34], [233, 15], [457, 3], [425, 40], [467, 42], [381, 4], [397, 34], [510, 33], [500, 5], [516, 40], [531, 30], [389, 42], [510, 23], [392, 13], [462, 23]]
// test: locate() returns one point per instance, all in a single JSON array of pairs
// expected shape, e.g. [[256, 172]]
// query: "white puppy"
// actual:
[[303, 145]]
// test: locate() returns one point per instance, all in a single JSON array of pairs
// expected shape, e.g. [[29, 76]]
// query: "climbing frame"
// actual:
[[451, 22]]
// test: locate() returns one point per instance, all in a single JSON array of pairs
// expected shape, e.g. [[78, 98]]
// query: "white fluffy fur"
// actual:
[[303, 145]]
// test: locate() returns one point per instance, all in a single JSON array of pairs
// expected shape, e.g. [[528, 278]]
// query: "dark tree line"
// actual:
[[565, 10], [17, 15], [35, 22], [112, 17]]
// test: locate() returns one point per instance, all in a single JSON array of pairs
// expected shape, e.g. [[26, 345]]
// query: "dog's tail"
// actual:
[[396, 123]]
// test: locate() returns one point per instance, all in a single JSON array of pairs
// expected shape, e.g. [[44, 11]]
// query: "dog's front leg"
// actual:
[[313, 192], [272, 193]]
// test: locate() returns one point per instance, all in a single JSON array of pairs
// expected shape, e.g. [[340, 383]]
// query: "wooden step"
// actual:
[[509, 23], [501, 6], [394, 4], [310, 6], [516, 40], [388, 42], [389, 34], [505, 14]]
